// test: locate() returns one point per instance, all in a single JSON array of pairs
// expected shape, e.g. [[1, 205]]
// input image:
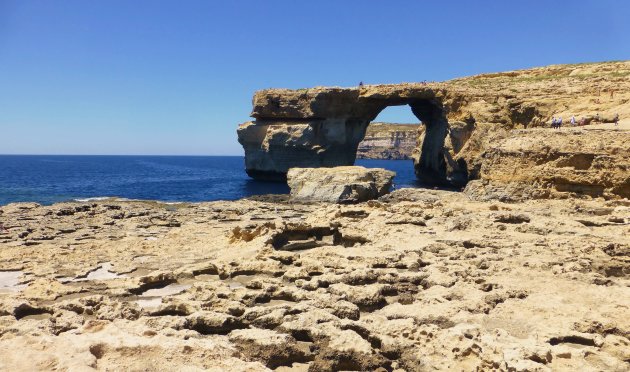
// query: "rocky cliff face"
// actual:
[[543, 163], [323, 126], [389, 141]]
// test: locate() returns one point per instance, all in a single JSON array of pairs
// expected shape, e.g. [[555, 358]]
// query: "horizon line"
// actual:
[[118, 155]]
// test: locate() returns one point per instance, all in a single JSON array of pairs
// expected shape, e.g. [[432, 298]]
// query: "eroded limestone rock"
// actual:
[[417, 279], [547, 163], [322, 127], [389, 141], [344, 185]]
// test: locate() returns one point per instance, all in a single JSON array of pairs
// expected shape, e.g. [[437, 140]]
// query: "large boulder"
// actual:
[[345, 185]]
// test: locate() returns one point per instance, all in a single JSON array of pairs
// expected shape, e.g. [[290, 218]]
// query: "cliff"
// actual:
[[389, 141], [322, 127], [545, 163]]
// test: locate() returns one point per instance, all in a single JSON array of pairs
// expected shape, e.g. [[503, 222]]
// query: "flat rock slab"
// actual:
[[344, 185]]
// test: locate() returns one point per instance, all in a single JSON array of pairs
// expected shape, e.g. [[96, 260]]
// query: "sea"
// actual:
[[48, 179]]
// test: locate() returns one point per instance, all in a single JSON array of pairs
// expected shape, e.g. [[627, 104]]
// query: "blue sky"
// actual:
[[177, 77]]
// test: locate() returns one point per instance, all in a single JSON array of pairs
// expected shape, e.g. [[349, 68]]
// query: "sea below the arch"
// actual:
[[48, 179]]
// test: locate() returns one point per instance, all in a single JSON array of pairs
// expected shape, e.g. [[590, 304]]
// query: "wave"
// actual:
[[97, 198], [119, 199]]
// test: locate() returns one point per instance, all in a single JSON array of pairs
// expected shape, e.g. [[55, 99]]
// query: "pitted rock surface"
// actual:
[[419, 279]]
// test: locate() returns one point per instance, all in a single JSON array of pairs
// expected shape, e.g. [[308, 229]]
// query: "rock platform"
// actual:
[[416, 280]]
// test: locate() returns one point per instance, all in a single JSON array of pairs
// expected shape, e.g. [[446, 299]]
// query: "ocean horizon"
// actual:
[[48, 179]]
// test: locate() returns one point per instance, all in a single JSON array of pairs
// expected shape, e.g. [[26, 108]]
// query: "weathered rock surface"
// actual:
[[322, 127], [547, 163], [344, 185], [389, 141], [416, 280]]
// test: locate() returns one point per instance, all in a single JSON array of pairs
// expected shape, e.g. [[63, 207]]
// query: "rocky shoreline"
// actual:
[[417, 279], [527, 269]]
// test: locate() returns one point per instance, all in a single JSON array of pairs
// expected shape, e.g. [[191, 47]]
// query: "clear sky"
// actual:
[[176, 77]]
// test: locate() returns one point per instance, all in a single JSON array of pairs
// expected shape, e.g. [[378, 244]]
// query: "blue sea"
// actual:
[[49, 179]]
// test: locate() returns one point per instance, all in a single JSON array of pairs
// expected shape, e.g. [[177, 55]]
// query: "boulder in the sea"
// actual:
[[344, 185]]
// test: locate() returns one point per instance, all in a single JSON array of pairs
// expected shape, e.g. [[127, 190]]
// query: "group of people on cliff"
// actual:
[[556, 122]]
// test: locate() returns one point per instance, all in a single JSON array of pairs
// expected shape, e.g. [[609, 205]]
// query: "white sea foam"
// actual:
[[118, 199], [97, 198]]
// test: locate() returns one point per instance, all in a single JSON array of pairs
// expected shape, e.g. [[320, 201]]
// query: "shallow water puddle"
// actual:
[[41, 316], [239, 281], [68, 297], [207, 277], [10, 281], [102, 272], [152, 298], [169, 290]]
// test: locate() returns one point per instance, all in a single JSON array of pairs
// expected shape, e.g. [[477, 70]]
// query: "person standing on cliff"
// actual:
[[616, 119], [553, 122], [559, 122], [573, 121], [360, 84]]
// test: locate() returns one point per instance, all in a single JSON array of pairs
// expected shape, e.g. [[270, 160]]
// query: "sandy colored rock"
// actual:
[[389, 141], [530, 285], [344, 185], [547, 163], [323, 126]]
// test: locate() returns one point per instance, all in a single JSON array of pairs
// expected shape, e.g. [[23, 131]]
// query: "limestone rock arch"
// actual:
[[322, 127]]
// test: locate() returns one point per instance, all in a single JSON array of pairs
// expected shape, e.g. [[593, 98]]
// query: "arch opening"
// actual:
[[430, 162], [392, 135]]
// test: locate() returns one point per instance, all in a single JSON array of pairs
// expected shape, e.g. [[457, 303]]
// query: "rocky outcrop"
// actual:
[[322, 127], [344, 185], [419, 279], [547, 163], [389, 141]]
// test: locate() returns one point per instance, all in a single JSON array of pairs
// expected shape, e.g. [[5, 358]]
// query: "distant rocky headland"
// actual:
[[390, 141]]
